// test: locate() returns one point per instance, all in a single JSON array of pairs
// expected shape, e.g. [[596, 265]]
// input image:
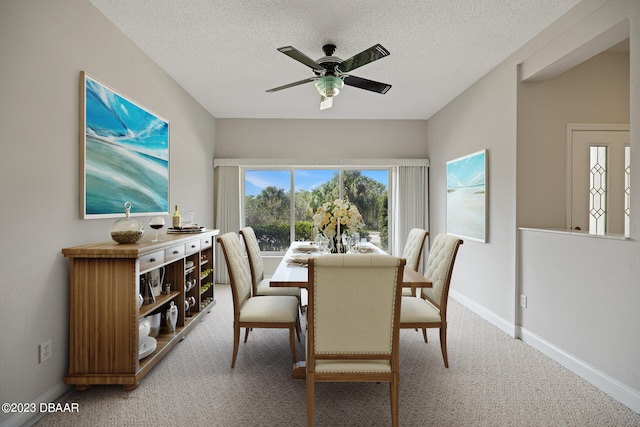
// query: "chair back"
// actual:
[[255, 256], [238, 269], [354, 307], [413, 247], [442, 256]]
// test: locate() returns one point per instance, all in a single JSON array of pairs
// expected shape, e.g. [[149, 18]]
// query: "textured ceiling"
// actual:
[[223, 52]]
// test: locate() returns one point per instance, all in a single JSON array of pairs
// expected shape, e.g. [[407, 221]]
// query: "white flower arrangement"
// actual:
[[337, 217]]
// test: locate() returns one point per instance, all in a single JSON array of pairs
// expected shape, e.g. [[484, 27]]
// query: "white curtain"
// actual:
[[227, 211], [410, 195]]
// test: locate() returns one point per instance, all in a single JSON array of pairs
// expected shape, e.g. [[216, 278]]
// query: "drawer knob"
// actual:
[[193, 246], [152, 260], [175, 252]]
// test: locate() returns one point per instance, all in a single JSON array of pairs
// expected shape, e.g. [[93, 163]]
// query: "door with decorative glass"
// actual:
[[598, 178]]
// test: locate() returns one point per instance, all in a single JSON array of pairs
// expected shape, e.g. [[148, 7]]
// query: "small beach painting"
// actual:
[[467, 196], [125, 150]]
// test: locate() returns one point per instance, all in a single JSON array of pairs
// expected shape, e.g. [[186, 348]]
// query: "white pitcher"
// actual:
[[156, 280]]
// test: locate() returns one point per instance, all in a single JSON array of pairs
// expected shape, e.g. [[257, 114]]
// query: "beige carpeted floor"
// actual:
[[493, 380]]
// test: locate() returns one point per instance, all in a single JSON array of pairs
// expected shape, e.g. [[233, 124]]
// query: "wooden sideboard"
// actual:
[[104, 312]]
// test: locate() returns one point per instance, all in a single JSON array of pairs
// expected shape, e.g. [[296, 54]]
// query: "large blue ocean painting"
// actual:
[[126, 151]]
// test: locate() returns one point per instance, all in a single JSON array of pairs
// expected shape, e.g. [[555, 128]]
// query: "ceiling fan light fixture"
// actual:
[[329, 86]]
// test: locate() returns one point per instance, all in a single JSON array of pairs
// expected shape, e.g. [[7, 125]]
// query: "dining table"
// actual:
[[292, 271]]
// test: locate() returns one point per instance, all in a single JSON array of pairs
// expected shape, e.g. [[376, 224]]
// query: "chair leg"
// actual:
[[395, 398], [236, 342], [310, 399], [298, 327], [292, 342], [443, 344], [246, 333], [424, 334]]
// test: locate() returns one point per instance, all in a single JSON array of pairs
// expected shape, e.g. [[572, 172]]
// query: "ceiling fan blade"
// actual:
[[294, 53], [326, 102], [275, 89], [365, 84], [372, 54]]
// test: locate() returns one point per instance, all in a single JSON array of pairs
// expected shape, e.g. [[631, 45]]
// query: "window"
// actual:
[[598, 190], [279, 203], [599, 187]]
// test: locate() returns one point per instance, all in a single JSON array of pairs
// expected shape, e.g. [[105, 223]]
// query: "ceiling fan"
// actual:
[[332, 73]]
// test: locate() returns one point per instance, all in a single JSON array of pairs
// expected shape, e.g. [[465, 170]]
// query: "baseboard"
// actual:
[[614, 388], [488, 315], [26, 419]]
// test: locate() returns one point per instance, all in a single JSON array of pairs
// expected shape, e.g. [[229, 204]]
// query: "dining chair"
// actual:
[[412, 252], [353, 322], [255, 312], [429, 310], [259, 284]]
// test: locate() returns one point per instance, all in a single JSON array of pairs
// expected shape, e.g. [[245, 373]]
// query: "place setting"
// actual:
[[299, 260]]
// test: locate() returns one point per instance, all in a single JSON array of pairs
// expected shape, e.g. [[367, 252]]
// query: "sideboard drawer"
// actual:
[[151, 261], [206, 242], [193, 246], [174, 252]]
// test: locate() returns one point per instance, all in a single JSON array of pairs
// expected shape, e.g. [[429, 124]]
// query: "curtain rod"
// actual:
[[320, 162]]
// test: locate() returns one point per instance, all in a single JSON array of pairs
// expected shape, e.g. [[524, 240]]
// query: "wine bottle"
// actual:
[[176, 219]]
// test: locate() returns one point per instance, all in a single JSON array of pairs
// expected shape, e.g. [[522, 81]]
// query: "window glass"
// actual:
[[313, 187], [268, 202], [598, 189], [267, 207], [627, 189], [368, 190]]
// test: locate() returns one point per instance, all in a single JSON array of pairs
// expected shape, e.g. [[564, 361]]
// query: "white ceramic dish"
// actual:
[[307, 248], [148, 346]]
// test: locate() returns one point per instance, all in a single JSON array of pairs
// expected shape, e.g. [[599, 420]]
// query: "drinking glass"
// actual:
[[157, 222], [363, 245], [324, 243], [346, 243]]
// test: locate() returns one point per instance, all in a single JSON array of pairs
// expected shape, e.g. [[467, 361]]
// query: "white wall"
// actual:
[[582, 307], [44, 45], [481, 118], [583, 292], [320, 139]]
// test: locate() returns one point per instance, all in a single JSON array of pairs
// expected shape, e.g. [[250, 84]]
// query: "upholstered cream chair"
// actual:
[[430, 309], [352, 322], [412, 252], [255, 312], [260, 285]]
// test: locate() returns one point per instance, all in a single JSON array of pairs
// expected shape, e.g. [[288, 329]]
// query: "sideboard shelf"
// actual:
[[105, 280]]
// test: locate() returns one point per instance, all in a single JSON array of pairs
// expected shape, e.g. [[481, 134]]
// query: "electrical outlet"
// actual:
[[45, 350], [523, 301]]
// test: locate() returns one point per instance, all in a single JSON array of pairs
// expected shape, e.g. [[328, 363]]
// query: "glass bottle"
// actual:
[[176, 219]]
